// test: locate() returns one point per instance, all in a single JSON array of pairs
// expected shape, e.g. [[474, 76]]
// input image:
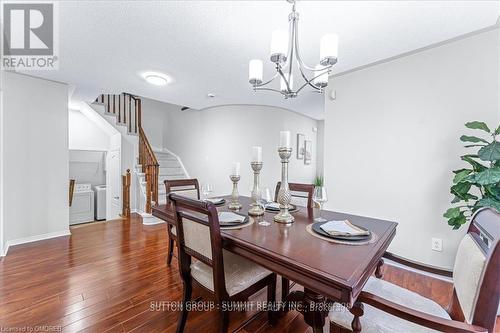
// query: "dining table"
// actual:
[[328, 271]]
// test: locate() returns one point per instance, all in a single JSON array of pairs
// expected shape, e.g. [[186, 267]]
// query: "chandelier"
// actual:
[[284, 48]]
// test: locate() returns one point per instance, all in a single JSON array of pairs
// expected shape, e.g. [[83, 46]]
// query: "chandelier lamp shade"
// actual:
[[285, 54]]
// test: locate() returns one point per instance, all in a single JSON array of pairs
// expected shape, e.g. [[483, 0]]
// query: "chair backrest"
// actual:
[[301, 194], [477, 270], [198, 236], [185, 187]]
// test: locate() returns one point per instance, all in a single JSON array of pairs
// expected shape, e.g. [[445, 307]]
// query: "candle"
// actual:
[[285, 139], [236, 169], [257, 154]]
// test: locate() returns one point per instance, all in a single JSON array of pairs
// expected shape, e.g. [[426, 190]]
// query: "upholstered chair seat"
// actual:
[[239, 273], [377, 321]]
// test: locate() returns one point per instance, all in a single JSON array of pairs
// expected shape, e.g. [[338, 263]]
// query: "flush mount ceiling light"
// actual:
[[284, 47], [155, 78]]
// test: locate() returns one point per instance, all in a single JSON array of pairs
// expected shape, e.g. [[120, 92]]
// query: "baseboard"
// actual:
[[4, 250], [36, 238], [149, 219]]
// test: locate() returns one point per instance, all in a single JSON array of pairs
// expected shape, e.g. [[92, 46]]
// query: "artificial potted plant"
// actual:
[[477, 185]]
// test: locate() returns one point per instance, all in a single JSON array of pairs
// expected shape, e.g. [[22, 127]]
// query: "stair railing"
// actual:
[[150, 167], [128, 110], [126, 194]]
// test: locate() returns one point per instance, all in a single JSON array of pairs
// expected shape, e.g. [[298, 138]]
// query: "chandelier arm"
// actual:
[[299, 58], [268, 89], [308, 82], [293, 22], [284, 78], [267, 82], [289, 52]]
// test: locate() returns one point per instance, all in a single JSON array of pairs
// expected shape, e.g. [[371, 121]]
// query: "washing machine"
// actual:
[[82, 207], [100, 202]]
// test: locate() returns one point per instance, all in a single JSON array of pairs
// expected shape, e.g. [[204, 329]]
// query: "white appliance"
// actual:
[[100, 202], [82, 207]]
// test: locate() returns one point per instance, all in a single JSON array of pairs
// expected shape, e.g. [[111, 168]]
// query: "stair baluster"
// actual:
[[129, 113]]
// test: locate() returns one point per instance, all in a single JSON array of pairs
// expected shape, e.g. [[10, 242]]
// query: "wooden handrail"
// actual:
[[150, 167], [126, 194], [71, 191], [129, 113]]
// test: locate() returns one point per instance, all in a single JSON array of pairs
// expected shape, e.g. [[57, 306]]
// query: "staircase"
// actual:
[[170, 167], [127, 113], [126, 109], [153, 166]]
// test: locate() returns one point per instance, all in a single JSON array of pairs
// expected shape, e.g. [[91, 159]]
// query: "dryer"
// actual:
[[100, 202]]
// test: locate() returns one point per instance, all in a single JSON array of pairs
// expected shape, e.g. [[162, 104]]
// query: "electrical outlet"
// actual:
[[437, 244]]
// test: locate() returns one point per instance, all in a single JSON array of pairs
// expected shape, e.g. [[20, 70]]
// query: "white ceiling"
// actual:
[[206, 45]]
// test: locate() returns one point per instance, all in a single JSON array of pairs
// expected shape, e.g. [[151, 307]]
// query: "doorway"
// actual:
[[89, 170]]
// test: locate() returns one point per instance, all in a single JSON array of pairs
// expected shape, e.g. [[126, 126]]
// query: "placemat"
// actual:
[[338, 241]]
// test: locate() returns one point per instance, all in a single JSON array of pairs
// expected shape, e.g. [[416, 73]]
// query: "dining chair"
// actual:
[[384, 307], [225, 276], [302, 194], [185, 187]]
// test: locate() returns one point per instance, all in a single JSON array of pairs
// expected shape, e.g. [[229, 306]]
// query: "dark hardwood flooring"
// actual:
[[108, 277]]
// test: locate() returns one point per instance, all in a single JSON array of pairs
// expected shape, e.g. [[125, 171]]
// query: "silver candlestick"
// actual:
[[284, 195], [234, 204], [256, 208]]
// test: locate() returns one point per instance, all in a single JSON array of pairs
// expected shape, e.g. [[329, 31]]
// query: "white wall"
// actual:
[[392, 138], [84, 134], [210, 140], [320, 160], [35, 158], [88, 166], [154, 120], [1, 165]]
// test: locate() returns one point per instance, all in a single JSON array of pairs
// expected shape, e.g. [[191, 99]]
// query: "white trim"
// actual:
[[421, 49], [2, 250], [178, 160], [149, 219], [435, 276], [35, 238]]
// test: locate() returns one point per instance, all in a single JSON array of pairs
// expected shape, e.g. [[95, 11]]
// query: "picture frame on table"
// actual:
[[301, 138]]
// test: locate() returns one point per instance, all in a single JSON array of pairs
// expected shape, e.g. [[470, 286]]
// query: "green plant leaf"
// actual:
[[489, 202], [486, 177], [471, 146], [497, 131], [452, 213], [461, 190], [490, 152], [475, 164], [456, 199], [478, 125], [469, 138], [458, 221], [461, 175], [492, 191]]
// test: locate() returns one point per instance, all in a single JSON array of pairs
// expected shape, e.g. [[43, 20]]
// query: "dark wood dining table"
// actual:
[[327, 271]]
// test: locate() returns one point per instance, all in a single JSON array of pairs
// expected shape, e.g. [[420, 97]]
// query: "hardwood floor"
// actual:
[[112, 277]]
